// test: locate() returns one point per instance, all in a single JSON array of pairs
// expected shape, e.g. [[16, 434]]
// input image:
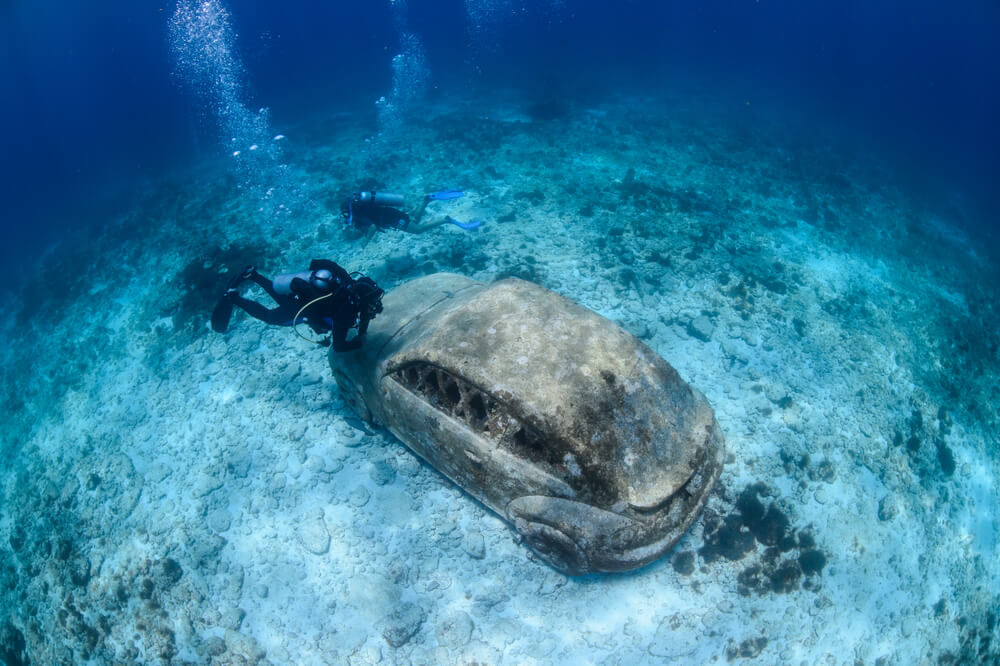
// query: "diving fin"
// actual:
[[444, 195], [468, 226], [221, 314], [223, 311]]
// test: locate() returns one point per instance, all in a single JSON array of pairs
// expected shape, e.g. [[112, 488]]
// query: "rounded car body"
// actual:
[[580, 436]]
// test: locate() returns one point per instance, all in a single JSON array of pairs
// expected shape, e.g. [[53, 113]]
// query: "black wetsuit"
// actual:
[[361, 215], [336, 314]]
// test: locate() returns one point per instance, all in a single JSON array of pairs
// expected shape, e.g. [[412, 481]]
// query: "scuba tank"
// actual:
[[283, 283], [380, 198], [322, 279], [384, 200]]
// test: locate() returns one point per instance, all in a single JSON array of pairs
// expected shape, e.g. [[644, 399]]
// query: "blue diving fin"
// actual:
[[444, 195], [468, 226]]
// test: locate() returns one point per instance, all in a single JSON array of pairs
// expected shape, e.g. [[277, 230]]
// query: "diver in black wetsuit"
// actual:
[[326, 297], [383, 211]]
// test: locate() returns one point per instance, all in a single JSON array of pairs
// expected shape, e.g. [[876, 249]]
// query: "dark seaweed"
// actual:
[[790, 559]]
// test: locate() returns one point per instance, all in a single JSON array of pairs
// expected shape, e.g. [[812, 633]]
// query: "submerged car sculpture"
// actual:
[[574, 431]]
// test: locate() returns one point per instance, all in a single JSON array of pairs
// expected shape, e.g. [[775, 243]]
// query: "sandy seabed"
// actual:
[[171, 495]]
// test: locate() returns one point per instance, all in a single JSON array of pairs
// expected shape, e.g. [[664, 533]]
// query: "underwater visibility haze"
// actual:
[[624, 333]]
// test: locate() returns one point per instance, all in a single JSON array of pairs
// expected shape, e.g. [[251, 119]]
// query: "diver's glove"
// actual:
[[325, 342]]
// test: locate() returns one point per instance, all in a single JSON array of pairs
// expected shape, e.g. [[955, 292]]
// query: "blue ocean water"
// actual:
[[795, 204], [90, 106]]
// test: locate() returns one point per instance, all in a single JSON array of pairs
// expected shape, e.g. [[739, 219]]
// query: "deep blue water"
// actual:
[[90, 108]]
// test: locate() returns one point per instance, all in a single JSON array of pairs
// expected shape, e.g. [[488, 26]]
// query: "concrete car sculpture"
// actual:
[[586, 441]]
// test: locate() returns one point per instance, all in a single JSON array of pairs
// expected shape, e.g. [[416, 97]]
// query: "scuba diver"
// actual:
[[326, 297], [382, 210]]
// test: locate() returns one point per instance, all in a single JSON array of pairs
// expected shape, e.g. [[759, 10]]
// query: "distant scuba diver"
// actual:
[[382, 210], [326, 297]]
